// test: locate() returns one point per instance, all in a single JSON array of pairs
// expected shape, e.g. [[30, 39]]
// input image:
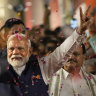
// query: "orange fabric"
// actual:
[[93, 4]]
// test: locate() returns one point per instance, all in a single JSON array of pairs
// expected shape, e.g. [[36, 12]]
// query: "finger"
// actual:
[[87, 24], [86, 13], [90, 19], [81, 15]]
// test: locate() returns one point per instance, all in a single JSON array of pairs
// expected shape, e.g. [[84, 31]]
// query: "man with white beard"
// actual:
[[18, 61], [23, 77], [28, 75]]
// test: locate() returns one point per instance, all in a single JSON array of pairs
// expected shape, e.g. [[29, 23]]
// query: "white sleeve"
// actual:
[[52, 63]]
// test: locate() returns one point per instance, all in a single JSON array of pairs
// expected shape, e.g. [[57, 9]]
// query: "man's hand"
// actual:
[[85, 20]]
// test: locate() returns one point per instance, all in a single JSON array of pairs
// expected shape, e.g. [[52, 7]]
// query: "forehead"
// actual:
[[18, 26], [79, 49], [15, 42]]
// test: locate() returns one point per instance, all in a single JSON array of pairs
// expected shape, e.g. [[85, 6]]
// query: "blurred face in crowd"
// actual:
[[6, 32], [91, 69], [75, 61], [17, 28], [18, 52], [50, 47], [41, 49], [42, 34]]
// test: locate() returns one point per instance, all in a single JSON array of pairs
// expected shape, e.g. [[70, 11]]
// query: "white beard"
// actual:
[[18, 63]]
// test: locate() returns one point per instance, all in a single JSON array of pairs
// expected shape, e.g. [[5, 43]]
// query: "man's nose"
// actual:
[[72, 56], [16, 51]]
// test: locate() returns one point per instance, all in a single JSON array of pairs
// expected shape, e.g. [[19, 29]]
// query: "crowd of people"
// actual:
[[41, 62]]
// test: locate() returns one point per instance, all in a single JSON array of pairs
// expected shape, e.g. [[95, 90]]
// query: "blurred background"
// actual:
[[49, 22], [32, 12]]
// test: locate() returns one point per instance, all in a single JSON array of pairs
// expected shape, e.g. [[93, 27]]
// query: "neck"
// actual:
[[19, 70], [75, 71]]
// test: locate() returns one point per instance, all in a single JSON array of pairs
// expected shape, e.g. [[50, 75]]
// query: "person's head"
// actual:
[[90, 66], [18, 50], [41, 49], [14, 25], [42, 31], [76, 59], [10, 27], [34, 48], [50, 46]]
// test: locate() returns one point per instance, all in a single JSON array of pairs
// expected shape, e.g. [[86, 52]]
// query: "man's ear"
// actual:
[[30, 51]]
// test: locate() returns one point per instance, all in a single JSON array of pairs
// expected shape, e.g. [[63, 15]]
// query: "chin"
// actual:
[[18, 63], [70, 69]]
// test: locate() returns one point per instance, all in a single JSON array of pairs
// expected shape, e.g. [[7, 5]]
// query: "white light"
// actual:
[[1, 5], [10, 6], [28, 3], [32, 21], [2, 12], [26, 9]]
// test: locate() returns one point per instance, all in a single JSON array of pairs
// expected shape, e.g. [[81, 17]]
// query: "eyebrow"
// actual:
[[16, 47], [75, 53]]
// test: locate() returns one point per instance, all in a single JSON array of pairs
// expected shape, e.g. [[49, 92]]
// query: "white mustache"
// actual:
[[18, 56]]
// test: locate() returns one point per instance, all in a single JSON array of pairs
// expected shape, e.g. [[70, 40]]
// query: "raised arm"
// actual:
[[53, 62]]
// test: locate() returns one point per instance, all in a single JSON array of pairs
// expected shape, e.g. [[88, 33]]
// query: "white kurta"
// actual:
[[52, 63], [70, 87], [74, 88]]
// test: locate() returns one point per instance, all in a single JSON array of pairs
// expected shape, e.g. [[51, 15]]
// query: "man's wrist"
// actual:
[[78, 31]]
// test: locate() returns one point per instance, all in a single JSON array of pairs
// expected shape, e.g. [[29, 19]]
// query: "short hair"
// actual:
[[11, 22], [20, 35]]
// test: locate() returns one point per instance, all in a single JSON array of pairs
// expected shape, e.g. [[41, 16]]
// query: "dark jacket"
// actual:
[[3, 60], [30, 83]]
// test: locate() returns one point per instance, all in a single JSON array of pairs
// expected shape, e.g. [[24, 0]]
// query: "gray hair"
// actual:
[[19, 35]]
